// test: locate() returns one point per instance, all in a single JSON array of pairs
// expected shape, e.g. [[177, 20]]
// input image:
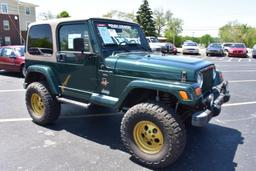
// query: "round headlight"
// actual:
[[200, 79]]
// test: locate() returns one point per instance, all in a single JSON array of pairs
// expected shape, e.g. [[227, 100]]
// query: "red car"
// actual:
[[12, 59], [237, 50]]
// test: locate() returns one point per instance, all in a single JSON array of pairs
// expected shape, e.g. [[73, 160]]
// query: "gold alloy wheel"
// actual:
[[37, 104], [148, 137]]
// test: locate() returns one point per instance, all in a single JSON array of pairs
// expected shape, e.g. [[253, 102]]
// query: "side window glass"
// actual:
[[66, 35], [7, 52], [40, 40]]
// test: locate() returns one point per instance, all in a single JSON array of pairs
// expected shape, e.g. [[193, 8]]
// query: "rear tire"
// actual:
[[162, 138], [42, 106]]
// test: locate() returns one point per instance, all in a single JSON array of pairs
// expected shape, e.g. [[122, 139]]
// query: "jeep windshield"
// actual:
[[121, 36]]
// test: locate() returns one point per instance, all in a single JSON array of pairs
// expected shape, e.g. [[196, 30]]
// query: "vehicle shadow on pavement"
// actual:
[[10, 74], [209, 148]]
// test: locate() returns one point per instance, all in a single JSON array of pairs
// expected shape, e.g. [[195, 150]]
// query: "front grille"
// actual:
[[208, 79]]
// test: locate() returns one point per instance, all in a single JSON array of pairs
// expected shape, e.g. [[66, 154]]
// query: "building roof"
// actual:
[[21, 3]]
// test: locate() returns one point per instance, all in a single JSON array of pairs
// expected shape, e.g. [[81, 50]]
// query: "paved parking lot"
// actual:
[[83, 140]]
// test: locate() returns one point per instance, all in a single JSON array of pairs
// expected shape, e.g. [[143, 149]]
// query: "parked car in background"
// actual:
[[12, 59], [254, 51], [226, 46], [215, 49], [190, 48], [237, 50], [163, 47]]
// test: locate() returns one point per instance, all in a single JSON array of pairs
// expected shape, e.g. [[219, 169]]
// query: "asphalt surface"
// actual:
[[90, 139]]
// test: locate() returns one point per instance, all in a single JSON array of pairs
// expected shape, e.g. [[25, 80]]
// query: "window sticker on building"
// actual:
[[71, 38]]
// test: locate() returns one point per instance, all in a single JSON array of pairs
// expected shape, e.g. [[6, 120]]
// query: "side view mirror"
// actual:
[[78, 44]]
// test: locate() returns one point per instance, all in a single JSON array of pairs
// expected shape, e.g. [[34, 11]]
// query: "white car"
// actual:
[[190, 48], [254, 51], [226, 46]]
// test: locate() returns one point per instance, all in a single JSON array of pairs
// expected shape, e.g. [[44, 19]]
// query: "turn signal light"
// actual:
[[183, 95], [198, 91]]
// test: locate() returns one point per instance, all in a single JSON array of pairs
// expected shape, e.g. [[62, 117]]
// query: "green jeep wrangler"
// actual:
[[109, 63]]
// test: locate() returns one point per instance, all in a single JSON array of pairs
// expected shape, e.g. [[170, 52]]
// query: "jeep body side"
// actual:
[[109, 63]]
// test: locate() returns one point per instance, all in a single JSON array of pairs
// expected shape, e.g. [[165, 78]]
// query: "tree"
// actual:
[[46, 16], [63, 14], [236, 32], [160, 20], [206, 39], [145, 19], [173, 28], [121, 15]]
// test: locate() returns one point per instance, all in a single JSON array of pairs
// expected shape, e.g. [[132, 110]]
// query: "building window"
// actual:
[[27, 10], [7, 40], [6, 25], [4, 8]]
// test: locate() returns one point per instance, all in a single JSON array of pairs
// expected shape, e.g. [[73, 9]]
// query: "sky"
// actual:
[[199, 16]]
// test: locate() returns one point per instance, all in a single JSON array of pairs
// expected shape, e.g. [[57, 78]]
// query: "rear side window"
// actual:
[[40, 40]]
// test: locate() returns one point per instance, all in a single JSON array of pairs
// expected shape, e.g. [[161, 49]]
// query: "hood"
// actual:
[[138, 64], [240, 49]]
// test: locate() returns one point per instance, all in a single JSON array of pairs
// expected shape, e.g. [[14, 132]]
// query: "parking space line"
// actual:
[[238, 104], [16, 90], [241, 81], [240, 60], [15, 120], [239, 71], [250, 60], [230, 60], [63, 117]]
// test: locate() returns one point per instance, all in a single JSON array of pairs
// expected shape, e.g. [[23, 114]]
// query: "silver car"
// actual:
[[254, 51]]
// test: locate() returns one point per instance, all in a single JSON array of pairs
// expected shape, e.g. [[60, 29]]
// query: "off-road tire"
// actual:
[[52, 106], [173, 130]]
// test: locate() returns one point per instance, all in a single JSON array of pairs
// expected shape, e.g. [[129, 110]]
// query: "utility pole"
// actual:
[[20, 34]]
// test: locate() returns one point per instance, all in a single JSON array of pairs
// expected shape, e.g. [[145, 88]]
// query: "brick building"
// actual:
[[15, 16]]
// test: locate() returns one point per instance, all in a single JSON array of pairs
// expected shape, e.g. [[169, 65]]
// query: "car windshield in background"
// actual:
[[190, 44], [227, 45], [238, 46], [119, 34], [215, 46], [154, 40]]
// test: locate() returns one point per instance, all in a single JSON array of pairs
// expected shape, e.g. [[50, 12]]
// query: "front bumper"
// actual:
[[190, 51], [212, 105]]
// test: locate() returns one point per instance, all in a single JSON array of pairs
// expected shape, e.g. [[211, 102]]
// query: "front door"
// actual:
[[76, 70]]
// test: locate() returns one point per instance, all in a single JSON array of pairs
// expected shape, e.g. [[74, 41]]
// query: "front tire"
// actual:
[[153, 135], [42, 106]]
